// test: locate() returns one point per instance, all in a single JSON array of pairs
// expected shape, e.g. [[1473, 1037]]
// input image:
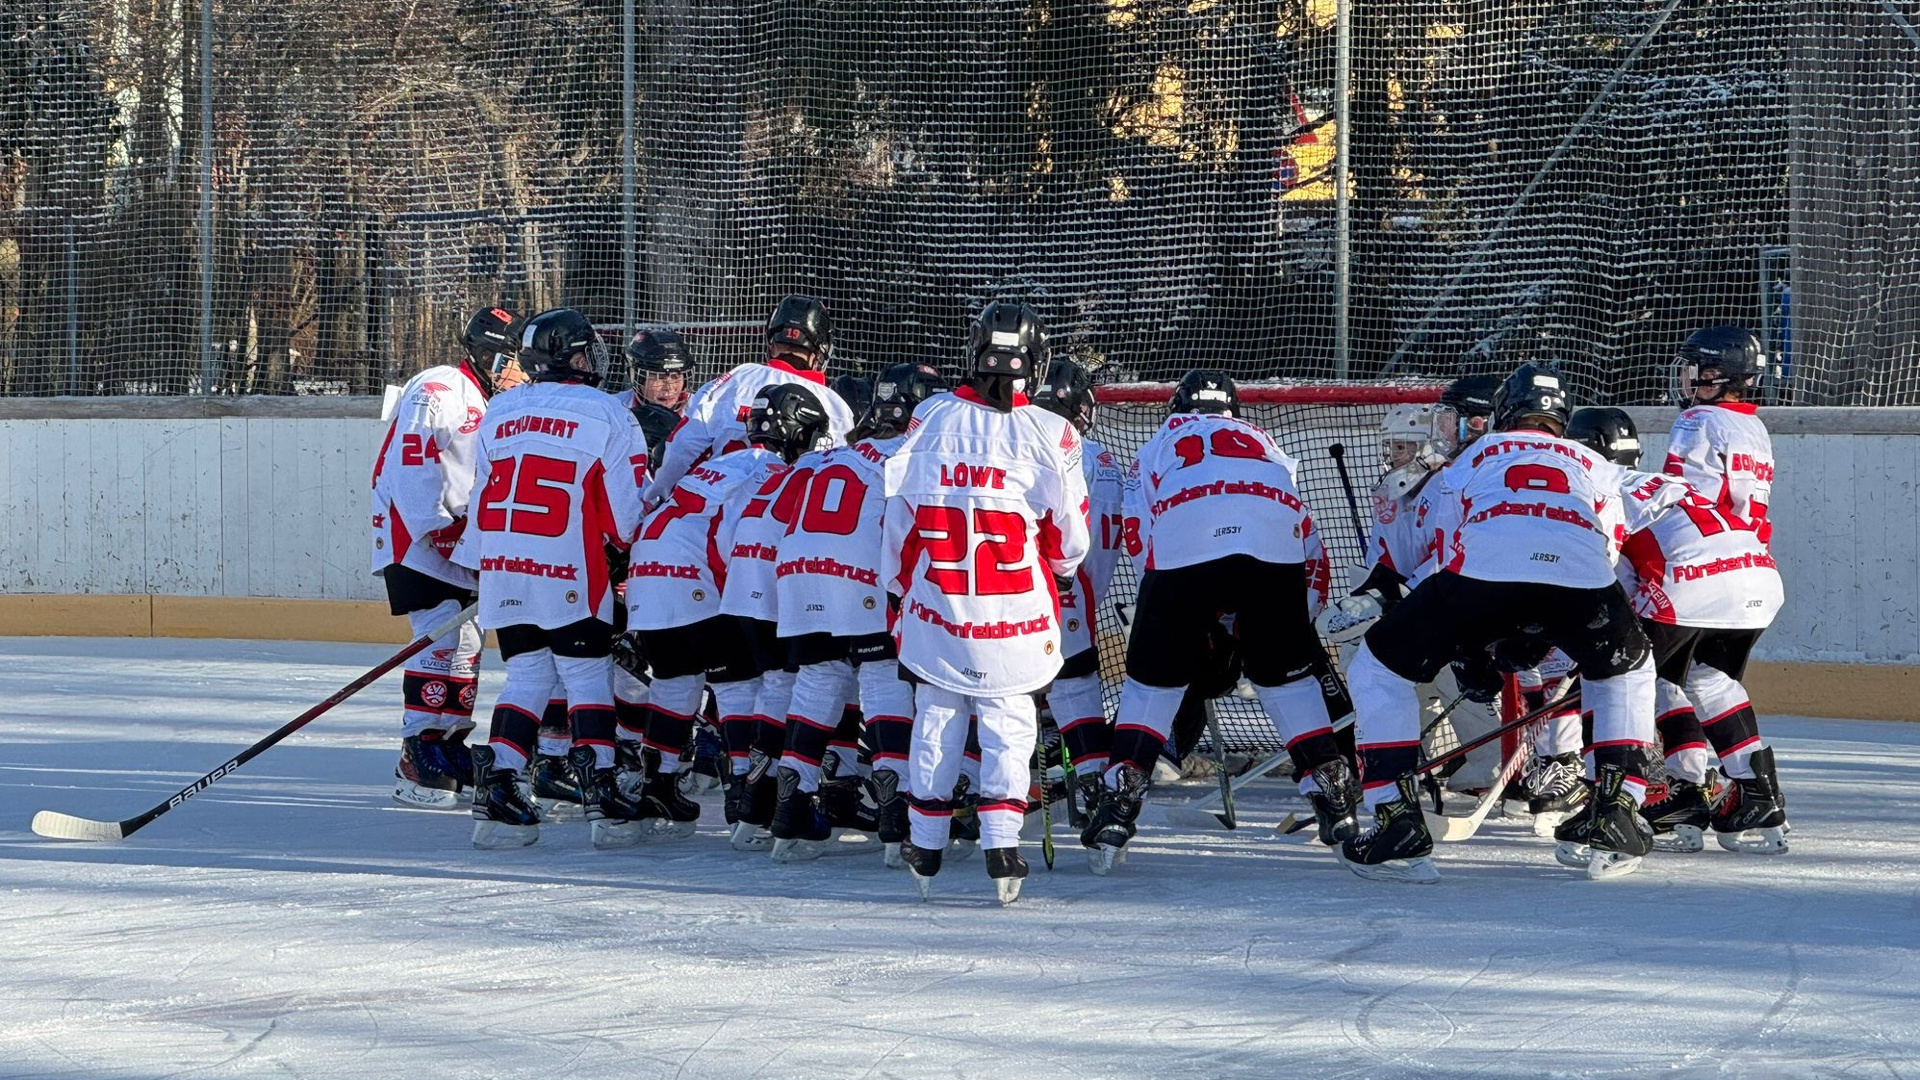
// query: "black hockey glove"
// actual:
[[617, 561], [1517, 654], [1477, 677], [628, 653]]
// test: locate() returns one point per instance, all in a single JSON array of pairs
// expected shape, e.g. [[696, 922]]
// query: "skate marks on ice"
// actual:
[[298, 923]]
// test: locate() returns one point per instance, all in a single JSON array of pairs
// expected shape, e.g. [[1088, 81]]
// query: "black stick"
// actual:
[[1477, 743], [58, 826], [1338, 452]]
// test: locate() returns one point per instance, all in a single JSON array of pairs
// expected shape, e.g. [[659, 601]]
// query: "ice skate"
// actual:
[[1398, 847], [673, 814], [749, 805], [424, 778], [964, 833], [1082, 797], [1113, 821], [706, 762], [890, 815], [503, 817], [1556, 791], [1750, 816], [556, 789], [617, 819], [1679, 815], [458, 755], [799, 825], [923, 864], [1336, 804], [1007, 869], [1618, 838], [1570, 847]]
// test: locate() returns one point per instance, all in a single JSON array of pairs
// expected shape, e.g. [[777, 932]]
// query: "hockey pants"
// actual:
[[1008, 727]]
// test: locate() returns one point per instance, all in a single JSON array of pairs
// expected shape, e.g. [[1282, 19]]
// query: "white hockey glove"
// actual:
[[1349, 619]]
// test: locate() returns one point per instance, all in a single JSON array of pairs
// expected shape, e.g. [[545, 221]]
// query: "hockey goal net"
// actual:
[[1307, 420]]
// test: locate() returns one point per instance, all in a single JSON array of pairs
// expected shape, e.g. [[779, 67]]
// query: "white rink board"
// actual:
[[277, 506], [292, 922]]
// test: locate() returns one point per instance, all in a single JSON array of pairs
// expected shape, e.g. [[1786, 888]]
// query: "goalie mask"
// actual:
[[788, 419], [1718, 358], [1414, 441], [1609, 432]]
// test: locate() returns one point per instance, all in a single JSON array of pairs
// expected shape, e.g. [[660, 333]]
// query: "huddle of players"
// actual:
[[874, 608]]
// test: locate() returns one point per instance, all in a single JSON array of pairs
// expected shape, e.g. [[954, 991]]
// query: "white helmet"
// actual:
[[1411, 446]]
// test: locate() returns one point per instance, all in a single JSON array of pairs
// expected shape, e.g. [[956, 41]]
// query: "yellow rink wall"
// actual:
[[246, 518]]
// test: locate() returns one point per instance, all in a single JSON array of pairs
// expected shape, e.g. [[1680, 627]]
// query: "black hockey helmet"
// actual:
[[802, 322], [788, 419], [1719, 356], [656, 423], [1006, 345], [1532, 391], [659, 350], [899, 390], [560, 345], [1469, 401], [492, 341], [1067, 389], [1204, 390], [855, 390], [1609, 432]]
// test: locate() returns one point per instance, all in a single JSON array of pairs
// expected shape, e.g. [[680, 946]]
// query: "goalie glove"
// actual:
[[1349, 619]]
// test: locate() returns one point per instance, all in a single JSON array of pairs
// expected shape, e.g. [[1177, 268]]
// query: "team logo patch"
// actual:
[[434, 694], [572, 597], [436, 388], [867, 603], [1385, 510], [1049, 648], [468, 693], [1073, 626], [699, 595], [473, 421]]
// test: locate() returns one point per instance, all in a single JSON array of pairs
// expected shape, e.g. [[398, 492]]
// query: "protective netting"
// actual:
[[307, 195], [1305, 430]]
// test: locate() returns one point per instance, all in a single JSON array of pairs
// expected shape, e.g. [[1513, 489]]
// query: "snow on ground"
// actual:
[[293, 922]]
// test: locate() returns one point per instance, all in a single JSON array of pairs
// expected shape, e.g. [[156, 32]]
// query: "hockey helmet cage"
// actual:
[[1533, 390], [788, 419], [1718, 356], [1414, 441], [659, 350], [1609, 432], [492, 340], [561, 345], [802, 322], [856, 391], [898, 391], [1204, 390], [1066, 389]]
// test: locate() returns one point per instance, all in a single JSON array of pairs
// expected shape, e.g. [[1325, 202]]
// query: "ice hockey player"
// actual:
[[986, 510], [1721, 448], [1706, 588], [1075, 699], [833, 616], [660, 367], [561, 466], [1217, 527], [674, 589], [799, 344], [856, 391], [421, 482], [1526, 560]]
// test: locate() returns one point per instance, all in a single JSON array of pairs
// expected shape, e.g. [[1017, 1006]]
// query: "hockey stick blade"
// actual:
[[55, 825], [1447, 829], [60, 826]]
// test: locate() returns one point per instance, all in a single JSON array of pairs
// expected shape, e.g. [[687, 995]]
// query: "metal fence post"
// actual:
[[1342, 187], [73, 312], [628, 229], [208, 368]]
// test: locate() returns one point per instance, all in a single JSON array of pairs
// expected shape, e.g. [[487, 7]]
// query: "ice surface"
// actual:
[[292, 921]]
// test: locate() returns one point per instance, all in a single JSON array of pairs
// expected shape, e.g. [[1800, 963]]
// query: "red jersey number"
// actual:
[[996, 561], [531, 495]]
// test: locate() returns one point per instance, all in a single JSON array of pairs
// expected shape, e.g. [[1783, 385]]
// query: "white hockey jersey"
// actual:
[[1399, 542], [423, 476], [1207, 486], [562, 465], [1724, 453], [984, 510], [679, 564], [1107, 521], [752, 542], [1702, 566], [716, 419], [829, 567], [1524, 506]]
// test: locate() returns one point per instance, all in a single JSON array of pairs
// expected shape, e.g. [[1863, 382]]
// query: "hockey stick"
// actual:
[[1338, 452], [1226, 814], [58, 826], [1481, 740], [1451, 829]]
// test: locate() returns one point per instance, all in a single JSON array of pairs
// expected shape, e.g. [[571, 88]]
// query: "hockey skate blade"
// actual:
[[959, 850], [1546, 821], [611, 833], [892, 857], [1008, 888], [57, 826], [924, 884], [1683, 840], [553, 811], [1420, 871], [1571, 855], [1771, 841], [750, 837], [495, 835], [662, 830], [1602, 865], [408, 793], [1103, 858]]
